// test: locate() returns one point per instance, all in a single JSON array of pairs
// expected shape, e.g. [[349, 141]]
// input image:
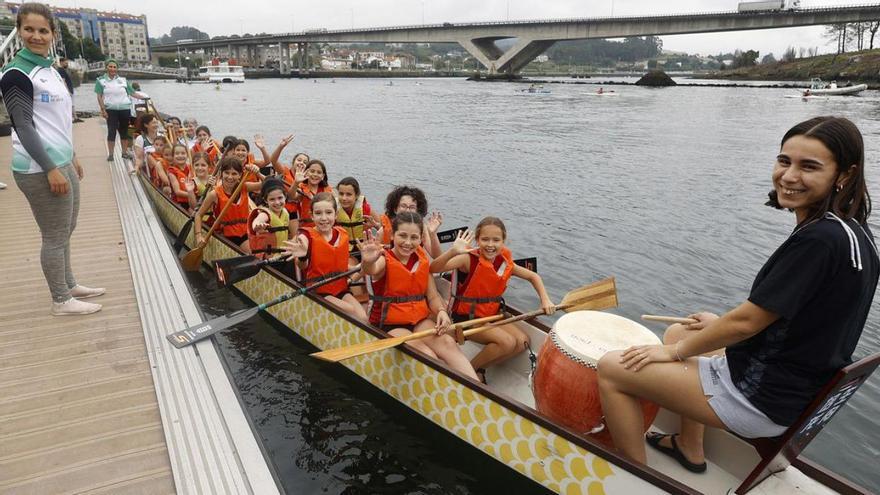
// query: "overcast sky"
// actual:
[[271, 16]]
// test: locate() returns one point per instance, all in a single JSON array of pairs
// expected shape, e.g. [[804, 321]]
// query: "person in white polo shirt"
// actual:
[[114, 92], [44, 166]]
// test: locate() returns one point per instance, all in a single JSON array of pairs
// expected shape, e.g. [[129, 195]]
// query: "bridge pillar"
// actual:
[[513, 60], [284, 63]]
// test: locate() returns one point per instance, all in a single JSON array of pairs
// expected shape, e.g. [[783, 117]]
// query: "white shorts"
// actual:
[[731, 406]]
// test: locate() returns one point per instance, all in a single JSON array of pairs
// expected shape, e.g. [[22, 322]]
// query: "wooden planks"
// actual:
[[79, 411]]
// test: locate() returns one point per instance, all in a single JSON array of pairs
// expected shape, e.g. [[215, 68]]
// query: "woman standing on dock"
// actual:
[[756, 368], [114, 93], [43, 163]]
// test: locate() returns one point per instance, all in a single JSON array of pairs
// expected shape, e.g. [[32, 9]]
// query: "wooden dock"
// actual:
[[92, 404], [79, 411]]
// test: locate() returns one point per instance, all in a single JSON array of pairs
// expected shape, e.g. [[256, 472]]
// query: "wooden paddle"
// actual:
[[598, 295], [669, 319], [342, 353], [180, 240], [193, 258], [205, 329]]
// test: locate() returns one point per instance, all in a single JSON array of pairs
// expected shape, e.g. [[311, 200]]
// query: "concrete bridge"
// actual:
[[533, 37]]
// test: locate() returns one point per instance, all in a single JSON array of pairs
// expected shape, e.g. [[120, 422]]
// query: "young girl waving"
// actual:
[[478, 286], [311, 182], [269, 224], [233, 225], [405, 299], [178, 176], [321, 251]]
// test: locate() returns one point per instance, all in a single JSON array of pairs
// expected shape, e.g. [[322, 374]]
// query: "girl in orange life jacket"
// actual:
[[309, 183], [355, 214], [234, 222], [479, 285], [283, 170], [202, 178], [407, 198], [156, 164], [205, 143], [321, 251], [269, 224], [405, 298], [179, 177], [242, 150]]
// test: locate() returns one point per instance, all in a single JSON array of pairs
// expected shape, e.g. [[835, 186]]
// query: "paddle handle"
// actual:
[[432, 331], [669, 319], [232, 199], [299, 292], [512, 319]]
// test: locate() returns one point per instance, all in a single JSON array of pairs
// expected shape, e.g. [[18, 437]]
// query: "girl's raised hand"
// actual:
[[286, 140], [253, 169], [212, 181], [434, 222], [463, 242], [295, 248], [370, 248], [299, 172], [259, 141], [370, 223]]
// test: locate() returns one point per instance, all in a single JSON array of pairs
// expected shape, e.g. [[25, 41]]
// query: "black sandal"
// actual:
[[654, 438], [481, 374]]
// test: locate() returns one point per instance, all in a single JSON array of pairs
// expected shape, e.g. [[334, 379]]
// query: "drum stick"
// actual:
[[670, 319]]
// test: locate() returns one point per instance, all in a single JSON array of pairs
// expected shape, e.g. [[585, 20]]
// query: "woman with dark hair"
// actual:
[[44, 165], [756, 368], [113, 93], [404, 297], [408, 198]]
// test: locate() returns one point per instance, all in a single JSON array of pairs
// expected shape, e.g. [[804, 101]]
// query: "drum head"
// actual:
[[588, 335]]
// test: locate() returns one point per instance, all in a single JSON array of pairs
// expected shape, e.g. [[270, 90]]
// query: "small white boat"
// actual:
[[603, 93], [820, 88], [221, 72], [807, 97], [535, 88]]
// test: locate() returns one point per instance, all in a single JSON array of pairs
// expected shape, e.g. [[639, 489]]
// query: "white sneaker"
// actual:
[[83, 292], [2, 185], [74, 306]]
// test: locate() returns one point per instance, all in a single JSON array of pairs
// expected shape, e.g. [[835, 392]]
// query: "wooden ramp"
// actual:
[[88, 404]]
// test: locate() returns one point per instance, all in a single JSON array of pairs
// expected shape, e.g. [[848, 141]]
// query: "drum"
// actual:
[[566, 385]]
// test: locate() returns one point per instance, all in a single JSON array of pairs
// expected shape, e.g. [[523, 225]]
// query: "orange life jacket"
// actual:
[[327, 259], [305, 203], [399, 298], [212, 152], [266, 243], [234, 222], [289, 180], [480, 294], [181, 177], [386, 229]]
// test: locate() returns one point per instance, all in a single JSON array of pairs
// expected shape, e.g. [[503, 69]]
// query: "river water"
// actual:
[[662, 188]]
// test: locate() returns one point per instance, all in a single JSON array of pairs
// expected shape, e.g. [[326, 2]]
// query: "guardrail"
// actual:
[[11, 44], [527, 22]]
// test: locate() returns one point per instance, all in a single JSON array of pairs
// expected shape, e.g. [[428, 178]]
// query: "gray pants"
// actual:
[[56, 217]]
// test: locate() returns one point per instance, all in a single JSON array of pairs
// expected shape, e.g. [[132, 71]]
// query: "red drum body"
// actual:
[[566, 386]]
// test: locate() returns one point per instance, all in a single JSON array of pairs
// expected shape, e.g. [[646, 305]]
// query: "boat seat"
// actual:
[[778, 453]]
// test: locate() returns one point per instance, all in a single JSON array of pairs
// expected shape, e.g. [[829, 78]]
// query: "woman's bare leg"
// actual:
[[674, 386]]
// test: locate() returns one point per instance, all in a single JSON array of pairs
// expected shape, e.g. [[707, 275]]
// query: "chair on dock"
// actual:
[[777, 453]]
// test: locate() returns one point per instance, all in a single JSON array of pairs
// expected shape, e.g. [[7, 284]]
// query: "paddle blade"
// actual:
[[192, 260], [598, 295], [180, 240], [528, 263], [343, 353], [232, 270], [205, 329], [449, 235]]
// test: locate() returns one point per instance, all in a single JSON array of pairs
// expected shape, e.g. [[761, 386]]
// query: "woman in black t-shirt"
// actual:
[[756, 368]]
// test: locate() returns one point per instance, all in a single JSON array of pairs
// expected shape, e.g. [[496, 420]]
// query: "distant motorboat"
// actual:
[[820, 88], [221, 72], [535, 88]]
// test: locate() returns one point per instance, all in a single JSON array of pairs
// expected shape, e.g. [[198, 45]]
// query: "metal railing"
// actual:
[[527, 22], [11, 45]]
